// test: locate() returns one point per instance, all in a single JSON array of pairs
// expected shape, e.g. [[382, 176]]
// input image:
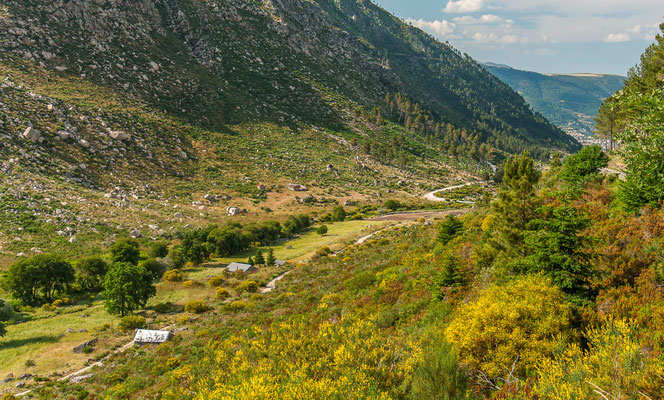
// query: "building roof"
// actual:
[[236, 266], [150, 336]]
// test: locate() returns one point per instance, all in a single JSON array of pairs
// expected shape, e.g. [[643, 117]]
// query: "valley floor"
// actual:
[[43, 345]]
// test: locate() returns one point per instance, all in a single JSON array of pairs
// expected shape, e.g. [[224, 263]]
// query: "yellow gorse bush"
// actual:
[[615, 367], [349, 359], [512, 324]]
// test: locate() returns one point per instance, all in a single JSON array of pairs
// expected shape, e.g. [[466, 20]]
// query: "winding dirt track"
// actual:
[[431, 196]]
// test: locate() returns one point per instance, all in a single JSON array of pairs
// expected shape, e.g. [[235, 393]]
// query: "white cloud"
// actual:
[[484, 19], [464, 6], [441, 28], [616, 37], [646, 32]]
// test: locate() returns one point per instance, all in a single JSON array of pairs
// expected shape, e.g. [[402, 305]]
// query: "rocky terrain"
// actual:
[[125, 109]]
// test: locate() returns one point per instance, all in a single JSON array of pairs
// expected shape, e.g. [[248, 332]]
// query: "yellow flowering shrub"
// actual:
[[249, 286], [615, 367], [196, 307], [216, 281], [350, 359], [221, 293], [520, 321], [173, 276]]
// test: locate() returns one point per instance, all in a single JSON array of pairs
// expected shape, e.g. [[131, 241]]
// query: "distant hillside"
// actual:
[[570, 101]]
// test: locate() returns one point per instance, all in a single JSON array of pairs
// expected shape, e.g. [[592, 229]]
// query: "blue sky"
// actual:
[[563, 36]]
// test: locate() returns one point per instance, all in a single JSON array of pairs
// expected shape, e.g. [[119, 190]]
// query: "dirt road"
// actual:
[[431, 196]]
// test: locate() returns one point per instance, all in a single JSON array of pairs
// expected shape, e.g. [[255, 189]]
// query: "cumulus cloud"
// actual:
[[440, 28], [616, 37], [646, 32], [484, 19], [463, 6]]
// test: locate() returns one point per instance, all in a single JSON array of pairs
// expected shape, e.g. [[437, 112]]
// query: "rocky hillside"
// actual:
[[172, 99]]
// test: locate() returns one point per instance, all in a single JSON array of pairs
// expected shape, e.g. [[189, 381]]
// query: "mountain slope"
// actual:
[[167, 100], [570, 101]]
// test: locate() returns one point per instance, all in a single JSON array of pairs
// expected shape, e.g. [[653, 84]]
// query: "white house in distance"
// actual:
[[146, 336], [236, 266]]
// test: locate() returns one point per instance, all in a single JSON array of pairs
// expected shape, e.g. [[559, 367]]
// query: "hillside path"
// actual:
[[431, 196]]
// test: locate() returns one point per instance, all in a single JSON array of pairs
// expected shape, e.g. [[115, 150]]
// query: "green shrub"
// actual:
[[155, 267], [164, 308], [249, 286], [222, 293], [392, 205], [320, 253], [237, 305], [586, 162], [438, 375], [158, 250], [196, 307], [361, 281], [177, 256], [338, 214], [322, 230], [131, 322], [216, 281]]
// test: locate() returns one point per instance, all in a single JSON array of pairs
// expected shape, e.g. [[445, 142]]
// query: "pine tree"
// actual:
[[270, 260], [258, 259], [515, 206]]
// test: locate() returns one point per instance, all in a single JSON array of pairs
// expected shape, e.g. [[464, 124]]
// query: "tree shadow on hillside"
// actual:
[[16, 343]]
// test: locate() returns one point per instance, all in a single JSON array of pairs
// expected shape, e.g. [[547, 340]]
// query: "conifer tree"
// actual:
[[259, 259], [270, 260], [515, 207]]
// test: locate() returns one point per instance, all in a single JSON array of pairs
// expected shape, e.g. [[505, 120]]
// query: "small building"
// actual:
[[236, 266], [146, 336]]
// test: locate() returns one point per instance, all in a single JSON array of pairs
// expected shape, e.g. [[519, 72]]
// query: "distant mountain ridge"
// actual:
[[570, 101]]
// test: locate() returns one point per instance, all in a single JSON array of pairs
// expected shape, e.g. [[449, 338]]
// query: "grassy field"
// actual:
[[303, 247], [47, 342]]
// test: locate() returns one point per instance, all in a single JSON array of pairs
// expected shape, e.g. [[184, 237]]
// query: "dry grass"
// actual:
[[47, 343]]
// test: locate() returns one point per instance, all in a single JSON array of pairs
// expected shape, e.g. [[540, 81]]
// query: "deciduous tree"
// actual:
[[127, 287], [90, 273], [125, 251]]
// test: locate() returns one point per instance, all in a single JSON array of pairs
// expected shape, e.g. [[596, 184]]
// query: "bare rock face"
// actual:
[[119, 135], [79, 349], [80, 378], [64, 135], [32, 135]]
